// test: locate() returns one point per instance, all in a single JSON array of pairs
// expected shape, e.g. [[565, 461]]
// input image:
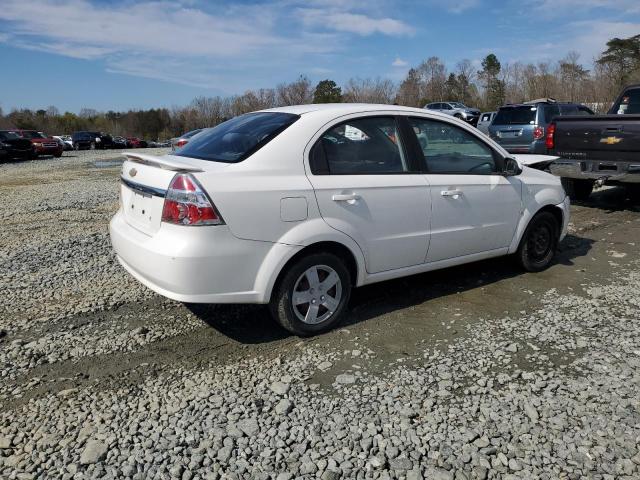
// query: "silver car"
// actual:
[[456, 109], [485, 120]]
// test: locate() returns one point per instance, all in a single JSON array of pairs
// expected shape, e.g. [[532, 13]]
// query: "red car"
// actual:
[[42, 144], [134, 142]]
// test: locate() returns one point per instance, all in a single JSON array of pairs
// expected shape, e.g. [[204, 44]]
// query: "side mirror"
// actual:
[[511, 167]]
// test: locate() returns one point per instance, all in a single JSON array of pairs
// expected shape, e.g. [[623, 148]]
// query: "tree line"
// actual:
[[488, 87]]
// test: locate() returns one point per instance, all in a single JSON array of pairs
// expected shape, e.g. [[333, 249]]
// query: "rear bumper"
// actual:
[[612, 172], [192, 264]]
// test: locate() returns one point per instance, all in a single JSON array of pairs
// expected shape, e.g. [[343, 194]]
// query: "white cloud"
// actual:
[[358, 23], [168, 39], [398, 62], [561, 7]]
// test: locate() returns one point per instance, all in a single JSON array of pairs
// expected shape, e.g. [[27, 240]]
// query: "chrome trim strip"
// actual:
[[143, 189]]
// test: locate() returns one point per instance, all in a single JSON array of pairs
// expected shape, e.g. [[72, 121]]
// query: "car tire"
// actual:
[[539, 243], [577, 189], [326, 303]]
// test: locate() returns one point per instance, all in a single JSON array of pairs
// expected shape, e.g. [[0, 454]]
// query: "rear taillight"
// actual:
[[186, 203], [549, 139], [181, 143], [538, 133]]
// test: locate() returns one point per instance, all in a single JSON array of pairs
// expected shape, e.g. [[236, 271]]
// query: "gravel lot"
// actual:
[[470, 373]]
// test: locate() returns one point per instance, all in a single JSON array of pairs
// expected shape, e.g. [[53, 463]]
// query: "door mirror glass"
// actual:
[[511, 167]]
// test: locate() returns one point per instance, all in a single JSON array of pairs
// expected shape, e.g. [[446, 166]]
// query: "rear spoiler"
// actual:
[[160, 162]]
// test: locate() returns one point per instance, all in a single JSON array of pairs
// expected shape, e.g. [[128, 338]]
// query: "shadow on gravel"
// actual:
[[378, 299], [252, 324], [613, 200], [249, 324]]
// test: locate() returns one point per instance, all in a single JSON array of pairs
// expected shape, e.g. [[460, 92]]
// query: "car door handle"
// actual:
[[451, 193], [345, 197]]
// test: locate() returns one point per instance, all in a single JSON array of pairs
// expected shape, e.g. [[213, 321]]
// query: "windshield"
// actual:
[[522, 115], [8, 135], [629, 104], [236, 139], [31, 134]]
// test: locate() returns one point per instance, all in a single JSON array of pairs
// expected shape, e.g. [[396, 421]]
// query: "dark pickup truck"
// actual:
[[598, 149]]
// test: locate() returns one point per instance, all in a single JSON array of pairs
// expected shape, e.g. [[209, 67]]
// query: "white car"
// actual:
[[294, 206]]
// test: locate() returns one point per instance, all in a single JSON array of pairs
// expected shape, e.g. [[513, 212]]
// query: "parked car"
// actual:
[[65, 141], [484, 121], [456, 109], [119, 142], [183, 139], [13, 146], [42, 143], [293, 206], [87, 140], [135, 142], [521, 128], [602, 149]]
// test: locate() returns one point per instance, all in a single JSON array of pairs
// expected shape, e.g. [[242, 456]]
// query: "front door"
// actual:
[[475, 209], [365, 189]]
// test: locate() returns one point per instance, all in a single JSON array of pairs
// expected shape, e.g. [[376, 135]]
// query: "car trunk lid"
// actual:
[[144, 183]]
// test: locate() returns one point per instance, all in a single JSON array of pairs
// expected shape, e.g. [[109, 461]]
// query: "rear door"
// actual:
[[475, 208], [367, 188]]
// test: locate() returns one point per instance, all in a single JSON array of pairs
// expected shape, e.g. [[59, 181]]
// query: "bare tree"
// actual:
[[299, 92], [367, 90]]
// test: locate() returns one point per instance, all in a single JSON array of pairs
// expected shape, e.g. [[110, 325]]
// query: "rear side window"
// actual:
[[520, 115], [238, 138], [629, 104], [450, 149], [369, 145]]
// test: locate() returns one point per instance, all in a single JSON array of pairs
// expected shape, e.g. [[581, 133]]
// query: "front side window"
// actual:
[[450, 149], [369, 145], [238, 138]]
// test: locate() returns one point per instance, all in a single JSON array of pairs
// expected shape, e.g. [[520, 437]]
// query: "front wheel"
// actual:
[[313, 295], [539, 243]]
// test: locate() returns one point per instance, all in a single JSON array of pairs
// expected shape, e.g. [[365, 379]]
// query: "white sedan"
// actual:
[[295, 206]]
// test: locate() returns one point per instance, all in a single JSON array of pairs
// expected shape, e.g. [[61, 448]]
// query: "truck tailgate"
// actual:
[[599, 137]]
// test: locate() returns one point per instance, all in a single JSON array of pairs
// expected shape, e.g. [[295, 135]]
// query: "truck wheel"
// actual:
[[539, 243], [313, 295], [577, 189]]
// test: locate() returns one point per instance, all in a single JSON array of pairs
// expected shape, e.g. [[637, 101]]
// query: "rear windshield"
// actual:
[[629, 104], [236, 139], [524, 115]]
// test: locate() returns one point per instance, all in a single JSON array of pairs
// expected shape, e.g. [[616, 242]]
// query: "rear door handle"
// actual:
[[452, 193], [345, 197]]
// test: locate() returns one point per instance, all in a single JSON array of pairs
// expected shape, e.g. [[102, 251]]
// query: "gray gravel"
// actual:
[[545, 385]]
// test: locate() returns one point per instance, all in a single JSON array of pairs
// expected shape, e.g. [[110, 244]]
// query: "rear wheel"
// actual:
[[577, 189], [313, 295], [539, 243]]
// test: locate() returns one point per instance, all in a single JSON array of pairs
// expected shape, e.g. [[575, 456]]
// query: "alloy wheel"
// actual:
[[316, 294]]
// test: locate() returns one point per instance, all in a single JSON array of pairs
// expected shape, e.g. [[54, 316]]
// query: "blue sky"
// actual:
[[138, 54]]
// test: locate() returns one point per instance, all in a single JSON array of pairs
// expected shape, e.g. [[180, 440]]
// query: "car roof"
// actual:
[[343, 108]]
